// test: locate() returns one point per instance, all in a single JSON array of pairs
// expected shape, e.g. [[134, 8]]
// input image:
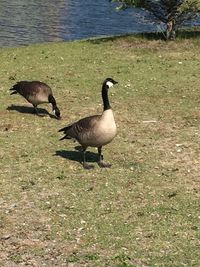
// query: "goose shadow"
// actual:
[[30, 110], [77, 155]]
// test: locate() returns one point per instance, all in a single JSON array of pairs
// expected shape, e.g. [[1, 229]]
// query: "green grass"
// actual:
[[144, 211]]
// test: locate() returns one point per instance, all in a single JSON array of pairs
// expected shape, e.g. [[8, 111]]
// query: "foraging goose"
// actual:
[[36, 93], [94, 131]]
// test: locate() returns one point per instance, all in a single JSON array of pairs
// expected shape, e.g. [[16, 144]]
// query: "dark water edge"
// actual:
[[25, 22]]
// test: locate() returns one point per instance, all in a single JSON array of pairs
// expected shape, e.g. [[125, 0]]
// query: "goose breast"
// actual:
[[102, 132]]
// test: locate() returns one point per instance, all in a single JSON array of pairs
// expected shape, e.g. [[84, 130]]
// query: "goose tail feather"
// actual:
[[65, 130], [15, 89], [65, 137], [14, 92]]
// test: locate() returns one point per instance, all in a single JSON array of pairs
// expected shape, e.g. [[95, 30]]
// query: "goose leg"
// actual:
[[86, 165], [35, 109], [101, 163]]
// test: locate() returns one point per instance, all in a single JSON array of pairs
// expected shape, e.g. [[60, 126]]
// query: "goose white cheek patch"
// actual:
[[110, 84]]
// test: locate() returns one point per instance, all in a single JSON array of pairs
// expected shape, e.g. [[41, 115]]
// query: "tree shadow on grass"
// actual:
[[148, 36], [30, 110], [182, 34], [188, 34], [74, 155]]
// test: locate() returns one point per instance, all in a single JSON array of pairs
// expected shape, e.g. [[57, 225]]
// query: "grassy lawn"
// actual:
[[144, 211]]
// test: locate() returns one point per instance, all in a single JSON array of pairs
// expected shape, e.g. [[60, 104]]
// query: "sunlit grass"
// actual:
[[144, 211]]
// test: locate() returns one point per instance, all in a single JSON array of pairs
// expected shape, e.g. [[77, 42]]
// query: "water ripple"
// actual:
[[25, 22]]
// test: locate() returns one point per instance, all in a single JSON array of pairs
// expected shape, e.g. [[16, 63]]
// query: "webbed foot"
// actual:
[[104, 165], [88, 166]]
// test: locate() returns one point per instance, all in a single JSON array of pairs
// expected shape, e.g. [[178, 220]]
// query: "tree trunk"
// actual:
[[171, 31]]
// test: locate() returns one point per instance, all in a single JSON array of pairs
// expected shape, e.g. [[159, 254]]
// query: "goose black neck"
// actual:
[[106, 103], [52, 101]]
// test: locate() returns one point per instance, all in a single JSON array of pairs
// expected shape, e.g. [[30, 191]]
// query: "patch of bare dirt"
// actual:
[[5, 127]]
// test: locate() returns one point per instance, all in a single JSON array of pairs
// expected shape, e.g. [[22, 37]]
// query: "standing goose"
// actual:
[[36, 93], [94, 131]]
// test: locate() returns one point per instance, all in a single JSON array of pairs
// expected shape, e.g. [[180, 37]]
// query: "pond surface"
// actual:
[[24, 22]]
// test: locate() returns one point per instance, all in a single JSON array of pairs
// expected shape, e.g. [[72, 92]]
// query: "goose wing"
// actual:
[[30, 88], [16, 88], [80, 127]]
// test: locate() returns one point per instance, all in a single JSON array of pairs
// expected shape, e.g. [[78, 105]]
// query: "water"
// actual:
[[25, 22]]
